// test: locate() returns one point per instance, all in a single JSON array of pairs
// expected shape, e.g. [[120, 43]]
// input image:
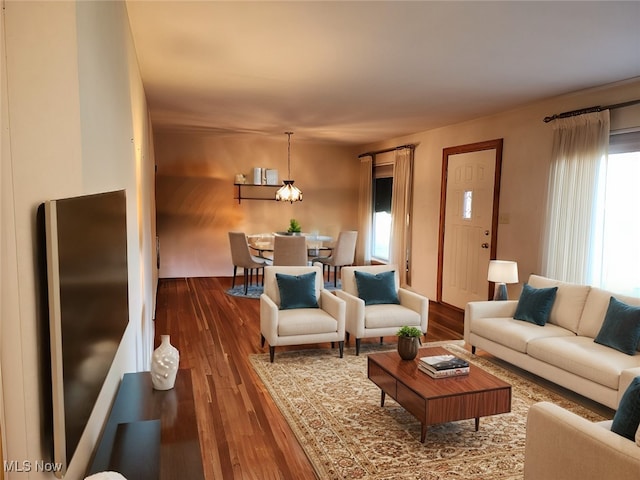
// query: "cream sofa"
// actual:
[[562, 351], [563, 445]]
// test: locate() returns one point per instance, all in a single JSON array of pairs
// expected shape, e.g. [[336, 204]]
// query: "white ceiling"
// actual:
[[359, 72]]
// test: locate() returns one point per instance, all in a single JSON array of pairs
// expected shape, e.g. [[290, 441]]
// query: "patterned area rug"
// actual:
[[335, 413]]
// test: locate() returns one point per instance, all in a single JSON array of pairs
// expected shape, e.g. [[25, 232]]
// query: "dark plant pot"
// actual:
[[408, 347]]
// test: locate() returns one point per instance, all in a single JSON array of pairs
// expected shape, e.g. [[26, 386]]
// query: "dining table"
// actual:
[[317, 244]]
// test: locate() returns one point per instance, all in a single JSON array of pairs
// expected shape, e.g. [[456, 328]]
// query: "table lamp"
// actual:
[[502, 272]]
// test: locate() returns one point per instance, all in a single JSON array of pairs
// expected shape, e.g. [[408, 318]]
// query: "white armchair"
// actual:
[[296, 326], [380, 320]]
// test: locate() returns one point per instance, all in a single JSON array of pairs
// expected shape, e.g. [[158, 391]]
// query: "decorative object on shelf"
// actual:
[[257, 176], [408, 342], [294, 226], [288, 192], [164, 364], [240, 179], [271, 176], [502, 272]]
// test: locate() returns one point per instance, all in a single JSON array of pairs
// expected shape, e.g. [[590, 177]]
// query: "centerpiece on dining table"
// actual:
[[294, 227]]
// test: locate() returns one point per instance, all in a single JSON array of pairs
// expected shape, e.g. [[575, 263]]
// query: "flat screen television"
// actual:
[[87, 289]]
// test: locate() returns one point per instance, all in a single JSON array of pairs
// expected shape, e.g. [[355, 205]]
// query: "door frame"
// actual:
[[496, 145]]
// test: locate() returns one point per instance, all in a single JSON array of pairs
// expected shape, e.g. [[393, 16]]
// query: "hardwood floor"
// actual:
[[242, 433]]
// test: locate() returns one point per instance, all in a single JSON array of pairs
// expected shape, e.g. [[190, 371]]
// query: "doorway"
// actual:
[[469, 201]]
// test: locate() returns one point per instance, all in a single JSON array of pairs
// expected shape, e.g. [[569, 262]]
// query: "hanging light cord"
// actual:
[[289, 154]]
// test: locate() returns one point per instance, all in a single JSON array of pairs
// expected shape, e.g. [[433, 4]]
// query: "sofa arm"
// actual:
[[563, 445], [416, 302], [487, 309]]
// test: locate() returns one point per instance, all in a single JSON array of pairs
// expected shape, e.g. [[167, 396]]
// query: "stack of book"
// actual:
[[443, 366]]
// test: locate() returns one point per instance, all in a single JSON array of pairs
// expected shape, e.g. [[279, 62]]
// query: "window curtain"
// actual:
[[401, 213], [579, 149], [363, 252]]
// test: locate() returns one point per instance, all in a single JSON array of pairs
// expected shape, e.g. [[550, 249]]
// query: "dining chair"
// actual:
[[290, 250], [241, 257], [343, 254]]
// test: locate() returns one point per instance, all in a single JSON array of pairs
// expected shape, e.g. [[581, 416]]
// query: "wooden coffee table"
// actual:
[[440, 400]]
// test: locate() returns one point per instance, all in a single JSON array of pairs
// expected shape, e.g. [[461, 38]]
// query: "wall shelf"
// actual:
[[251, 192]]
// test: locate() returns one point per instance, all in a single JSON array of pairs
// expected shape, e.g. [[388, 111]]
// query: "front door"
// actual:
[[471, 182]]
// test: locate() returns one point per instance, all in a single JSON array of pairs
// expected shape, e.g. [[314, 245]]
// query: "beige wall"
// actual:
[[74, 121], [525, 165], [195, 195]]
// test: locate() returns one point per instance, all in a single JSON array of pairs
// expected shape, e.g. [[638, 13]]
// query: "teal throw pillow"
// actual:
[[621, 327], [297, 291], [535, 304], [377, 289], [627, 417]]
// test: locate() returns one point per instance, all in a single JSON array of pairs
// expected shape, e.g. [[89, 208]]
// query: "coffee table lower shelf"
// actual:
[[441, 400]]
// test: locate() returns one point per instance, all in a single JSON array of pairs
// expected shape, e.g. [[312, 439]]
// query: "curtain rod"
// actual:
[[386, 150], [582, 111]]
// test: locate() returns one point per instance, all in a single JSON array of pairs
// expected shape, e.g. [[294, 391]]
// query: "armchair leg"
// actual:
[[246, 280], [473, 349], [333, 345], [357, 346], [272, 353], [262, 339], [233, 281], [381, 340], [346, 334], [341, 347]]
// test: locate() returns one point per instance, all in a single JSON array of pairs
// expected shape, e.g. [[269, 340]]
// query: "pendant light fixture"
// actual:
[[288, 192]]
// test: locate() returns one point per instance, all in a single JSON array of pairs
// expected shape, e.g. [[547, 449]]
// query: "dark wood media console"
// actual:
[[151, 434]]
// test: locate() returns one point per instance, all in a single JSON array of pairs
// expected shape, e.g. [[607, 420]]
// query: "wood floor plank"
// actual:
[[243, 435]]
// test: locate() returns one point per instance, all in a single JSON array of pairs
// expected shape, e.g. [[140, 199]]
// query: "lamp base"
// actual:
[[500, 292]]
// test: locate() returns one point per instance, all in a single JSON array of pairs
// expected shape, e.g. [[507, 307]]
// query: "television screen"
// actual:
[[87, 278]]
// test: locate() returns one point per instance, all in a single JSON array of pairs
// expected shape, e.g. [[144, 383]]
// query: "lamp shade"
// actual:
[[503, 271]]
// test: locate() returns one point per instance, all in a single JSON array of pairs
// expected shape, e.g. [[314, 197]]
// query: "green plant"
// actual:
[[294, 226], [409, 332]]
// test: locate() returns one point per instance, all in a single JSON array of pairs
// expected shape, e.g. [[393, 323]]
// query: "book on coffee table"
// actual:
[[443, 362], [451, 372]]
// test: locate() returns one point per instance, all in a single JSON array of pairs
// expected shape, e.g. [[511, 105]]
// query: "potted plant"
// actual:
[[294, 227], [408, 342]]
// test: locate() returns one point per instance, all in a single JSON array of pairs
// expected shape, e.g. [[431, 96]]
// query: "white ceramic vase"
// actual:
[[164, 364]]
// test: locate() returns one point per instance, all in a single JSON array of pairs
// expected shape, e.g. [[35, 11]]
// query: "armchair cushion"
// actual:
[[627, 417], [377, 289], [297, 291], [621, 327], [535, 304]]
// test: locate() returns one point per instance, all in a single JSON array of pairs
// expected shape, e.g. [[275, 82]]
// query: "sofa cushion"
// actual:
[[514, 334], [627, 417], [535, 304], [596, 308], [378, 288], [390, 315], [638, 436], [583, 357], [569, 303], [621, 327], [297, 291]]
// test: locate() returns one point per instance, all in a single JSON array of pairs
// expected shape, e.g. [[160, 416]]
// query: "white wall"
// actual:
[[74, 122], [525, 166]]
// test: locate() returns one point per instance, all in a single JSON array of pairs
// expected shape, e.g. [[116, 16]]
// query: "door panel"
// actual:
[[468, 223]]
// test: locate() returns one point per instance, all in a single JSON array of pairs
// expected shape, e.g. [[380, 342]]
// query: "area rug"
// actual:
[[335, 413], [254, 291]]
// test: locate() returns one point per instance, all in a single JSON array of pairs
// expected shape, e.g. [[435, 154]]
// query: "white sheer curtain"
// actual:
[[365, 198], [400, 247], [579, 148]]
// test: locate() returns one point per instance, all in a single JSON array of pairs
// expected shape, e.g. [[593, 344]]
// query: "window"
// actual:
[[615, 262], [382, 186]]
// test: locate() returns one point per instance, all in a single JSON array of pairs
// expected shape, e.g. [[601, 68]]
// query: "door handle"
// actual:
[[485, 245]]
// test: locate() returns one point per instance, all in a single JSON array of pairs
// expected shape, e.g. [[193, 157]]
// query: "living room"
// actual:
[[67, 137]]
